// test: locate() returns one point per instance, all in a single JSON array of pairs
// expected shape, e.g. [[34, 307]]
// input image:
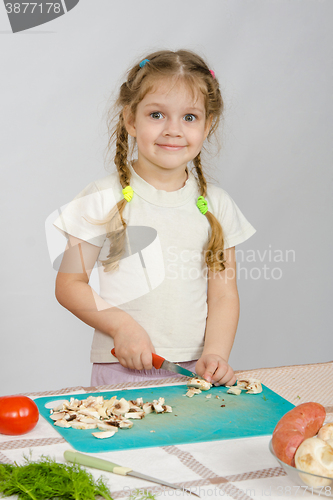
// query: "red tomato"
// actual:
[[18, 415]]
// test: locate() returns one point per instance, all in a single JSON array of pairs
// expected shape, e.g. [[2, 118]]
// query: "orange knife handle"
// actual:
[[157, 361]]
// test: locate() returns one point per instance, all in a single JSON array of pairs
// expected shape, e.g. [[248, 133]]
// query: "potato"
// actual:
[[302, 422]]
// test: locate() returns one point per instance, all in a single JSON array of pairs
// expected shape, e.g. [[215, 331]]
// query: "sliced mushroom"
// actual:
[[107, 415], [112, 421], [243, 383], [103, 435], [121, 407], [134, 406], [81, 425], [158, 405], [70, 416], [89, 412], [199, 383], [101, 411], [147, 408], [60, 406], [326, 432], [62, 423], [315, 456], [87, 420], [94, 401], [138, 415], [192, 391], [254, 387], [57, 415], [125, 424], [109, 403], [104, 426], [74, 404], [250, 385], [234, 390]]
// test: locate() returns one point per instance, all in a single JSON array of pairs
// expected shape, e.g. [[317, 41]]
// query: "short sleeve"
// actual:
[[81, 217], [236, 228]]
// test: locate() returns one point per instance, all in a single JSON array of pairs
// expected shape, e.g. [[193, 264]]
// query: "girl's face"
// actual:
[[170, 127]]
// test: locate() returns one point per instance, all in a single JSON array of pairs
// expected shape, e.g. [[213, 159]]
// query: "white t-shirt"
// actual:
[[162, 277]]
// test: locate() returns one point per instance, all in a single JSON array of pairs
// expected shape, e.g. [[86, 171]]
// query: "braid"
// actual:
[[202, 180], [214, 253], [115, 223], [122, 152]]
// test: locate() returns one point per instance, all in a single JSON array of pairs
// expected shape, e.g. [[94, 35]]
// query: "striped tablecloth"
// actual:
[[238, 469]]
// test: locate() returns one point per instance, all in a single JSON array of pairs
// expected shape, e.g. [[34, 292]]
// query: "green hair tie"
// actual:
[[202, 205], [128, 193]]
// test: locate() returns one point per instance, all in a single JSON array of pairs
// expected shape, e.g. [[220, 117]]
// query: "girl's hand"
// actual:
[[133, 346], [215, 370]]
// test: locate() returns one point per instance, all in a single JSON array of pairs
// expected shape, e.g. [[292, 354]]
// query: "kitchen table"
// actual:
[[238, 469]]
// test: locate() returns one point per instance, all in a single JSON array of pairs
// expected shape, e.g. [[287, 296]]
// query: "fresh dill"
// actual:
[[47, 479]]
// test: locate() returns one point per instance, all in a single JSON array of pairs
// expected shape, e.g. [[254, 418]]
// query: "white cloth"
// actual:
[[162, 277]]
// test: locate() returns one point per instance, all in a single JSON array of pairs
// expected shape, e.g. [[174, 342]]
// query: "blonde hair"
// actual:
[[191, 69]]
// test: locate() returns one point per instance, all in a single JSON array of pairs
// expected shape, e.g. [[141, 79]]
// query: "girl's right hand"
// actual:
[[133, 346]]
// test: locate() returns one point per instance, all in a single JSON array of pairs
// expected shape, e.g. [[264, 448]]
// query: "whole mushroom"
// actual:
[[326, 432], [315, 456]]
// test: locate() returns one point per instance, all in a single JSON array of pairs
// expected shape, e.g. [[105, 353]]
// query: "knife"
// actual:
[[159, 362], [98, 463]]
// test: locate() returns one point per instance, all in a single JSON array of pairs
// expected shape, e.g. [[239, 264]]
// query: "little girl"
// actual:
[[163, 238]]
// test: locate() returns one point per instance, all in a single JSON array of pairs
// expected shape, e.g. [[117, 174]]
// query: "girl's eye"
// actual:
[[189, 118], [156, 115]]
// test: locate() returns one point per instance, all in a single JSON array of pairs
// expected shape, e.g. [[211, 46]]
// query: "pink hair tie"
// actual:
[[212, 73]]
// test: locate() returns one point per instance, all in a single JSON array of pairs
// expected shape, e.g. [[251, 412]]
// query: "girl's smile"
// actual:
[[170, 127], [171, 147]]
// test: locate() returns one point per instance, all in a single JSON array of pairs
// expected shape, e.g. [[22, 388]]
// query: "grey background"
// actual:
[[274, 62]]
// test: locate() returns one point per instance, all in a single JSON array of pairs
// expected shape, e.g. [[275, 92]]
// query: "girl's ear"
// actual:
[[208, 125], [129, 121]]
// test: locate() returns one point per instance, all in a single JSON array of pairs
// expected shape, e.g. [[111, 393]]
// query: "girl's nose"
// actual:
[[173, 128]]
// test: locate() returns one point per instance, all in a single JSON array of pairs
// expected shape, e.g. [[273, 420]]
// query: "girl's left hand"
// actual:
[[215, 370]]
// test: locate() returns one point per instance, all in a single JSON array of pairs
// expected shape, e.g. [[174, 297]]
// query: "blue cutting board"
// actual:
[[192, 420]]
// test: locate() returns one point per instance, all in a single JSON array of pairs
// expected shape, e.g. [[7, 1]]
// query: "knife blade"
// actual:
[[159, 362], [98, 463]]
